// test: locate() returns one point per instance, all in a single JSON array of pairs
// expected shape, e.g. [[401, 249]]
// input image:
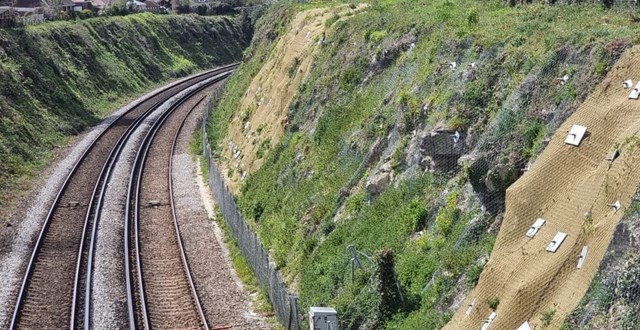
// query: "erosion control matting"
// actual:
[[571, 187]]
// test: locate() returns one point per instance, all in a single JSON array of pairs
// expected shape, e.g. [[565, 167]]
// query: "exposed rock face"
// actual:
[[427, 150], [435, 150], [444, 148], [380, 180], [392, 51], [489, 180], [500, 177], [427, 163]]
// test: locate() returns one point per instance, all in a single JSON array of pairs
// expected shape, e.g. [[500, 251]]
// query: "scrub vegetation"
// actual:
[[381, 77], [59, 78]]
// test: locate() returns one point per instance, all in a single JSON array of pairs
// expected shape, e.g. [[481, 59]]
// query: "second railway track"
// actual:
[[49, 294], [166, 296]]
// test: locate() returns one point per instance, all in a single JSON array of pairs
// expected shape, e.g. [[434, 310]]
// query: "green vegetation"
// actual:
[[393, 76], [267, 31], [493, 303], [242, 268], [245, 274], [612, 297], [547, 317], [59, 78]]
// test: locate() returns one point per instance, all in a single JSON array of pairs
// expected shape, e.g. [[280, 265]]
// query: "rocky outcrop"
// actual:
[[427, 150], [437, 150], [490, 180], [379, 180]]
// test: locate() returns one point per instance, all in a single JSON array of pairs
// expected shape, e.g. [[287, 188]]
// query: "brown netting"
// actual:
[[572, 189]]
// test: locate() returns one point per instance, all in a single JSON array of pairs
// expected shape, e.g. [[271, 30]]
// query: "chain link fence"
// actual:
[[284, 303]]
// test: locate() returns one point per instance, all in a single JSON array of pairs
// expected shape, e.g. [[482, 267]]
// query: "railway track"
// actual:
[[163, 294], [59, 267]]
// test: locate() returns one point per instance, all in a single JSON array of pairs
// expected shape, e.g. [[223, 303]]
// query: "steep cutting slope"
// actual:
[[563, 184], [367, 158], [60, 77], [264, 105]]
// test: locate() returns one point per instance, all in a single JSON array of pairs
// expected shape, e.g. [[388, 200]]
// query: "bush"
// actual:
[[474, 275], [473, 17], [493, 303], [628, 286], [331, 20]]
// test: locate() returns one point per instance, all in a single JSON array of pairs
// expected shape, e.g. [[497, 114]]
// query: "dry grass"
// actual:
[[261, 118]]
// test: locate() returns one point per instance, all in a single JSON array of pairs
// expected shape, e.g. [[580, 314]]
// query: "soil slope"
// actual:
[[261, 119], [563, 184]]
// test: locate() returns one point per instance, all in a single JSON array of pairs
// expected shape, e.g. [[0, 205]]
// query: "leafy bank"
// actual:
[[412, 120], [58, 78]]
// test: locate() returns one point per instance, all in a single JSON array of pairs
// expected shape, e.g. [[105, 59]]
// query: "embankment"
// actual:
[[401, 140], [572, 188], [58, 78]]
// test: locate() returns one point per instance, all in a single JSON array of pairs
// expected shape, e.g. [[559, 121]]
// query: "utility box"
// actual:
[[323, 318]]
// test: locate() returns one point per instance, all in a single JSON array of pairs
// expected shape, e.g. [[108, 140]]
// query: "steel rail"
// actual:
[[100, 202], [43, 231], [185, 261], [133, 191]]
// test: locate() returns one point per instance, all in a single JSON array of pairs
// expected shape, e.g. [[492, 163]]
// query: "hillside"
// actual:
[[411, 122], [58, 78], [563, 185]]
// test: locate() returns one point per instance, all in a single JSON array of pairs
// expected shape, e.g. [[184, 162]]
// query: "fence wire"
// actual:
[[284, 303]]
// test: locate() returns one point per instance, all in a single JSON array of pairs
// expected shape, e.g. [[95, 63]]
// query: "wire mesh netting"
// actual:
[[554, 225], [560, 217]]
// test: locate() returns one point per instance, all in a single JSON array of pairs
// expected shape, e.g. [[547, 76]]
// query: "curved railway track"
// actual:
[[165, 295], [56, 273]]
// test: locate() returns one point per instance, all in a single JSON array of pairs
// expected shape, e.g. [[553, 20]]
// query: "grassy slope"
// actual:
[[58, 78], [511, 102]]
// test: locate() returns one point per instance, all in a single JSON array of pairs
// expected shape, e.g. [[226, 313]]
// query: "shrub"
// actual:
[[473, 18], [377, 36], [628, 285], [474, 275], [331, 20], [493, 302]]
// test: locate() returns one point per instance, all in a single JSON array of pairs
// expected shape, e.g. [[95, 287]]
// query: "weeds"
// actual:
[[547, 317]]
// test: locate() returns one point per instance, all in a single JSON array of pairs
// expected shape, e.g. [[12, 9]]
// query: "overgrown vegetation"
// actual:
[[308, 202], [59, 78], [613, 298], [547, 317]]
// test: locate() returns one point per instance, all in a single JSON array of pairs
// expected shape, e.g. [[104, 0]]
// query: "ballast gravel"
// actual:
[[109, 304], [18, 240], [222, 295]]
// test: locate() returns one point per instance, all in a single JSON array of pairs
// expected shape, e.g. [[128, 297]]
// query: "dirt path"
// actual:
[[563, 184]]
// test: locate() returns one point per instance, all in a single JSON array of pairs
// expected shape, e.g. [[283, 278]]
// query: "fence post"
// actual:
[[293, 313]]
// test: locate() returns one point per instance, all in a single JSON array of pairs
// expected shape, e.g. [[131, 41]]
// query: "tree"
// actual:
[[391, 299]]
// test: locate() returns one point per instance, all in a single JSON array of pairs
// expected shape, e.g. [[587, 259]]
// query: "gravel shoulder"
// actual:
[[224, 299], [108, 289]]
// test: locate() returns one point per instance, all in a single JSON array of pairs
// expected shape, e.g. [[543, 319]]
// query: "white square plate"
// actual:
[[535, 227], [576, 134], [635, 92]]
